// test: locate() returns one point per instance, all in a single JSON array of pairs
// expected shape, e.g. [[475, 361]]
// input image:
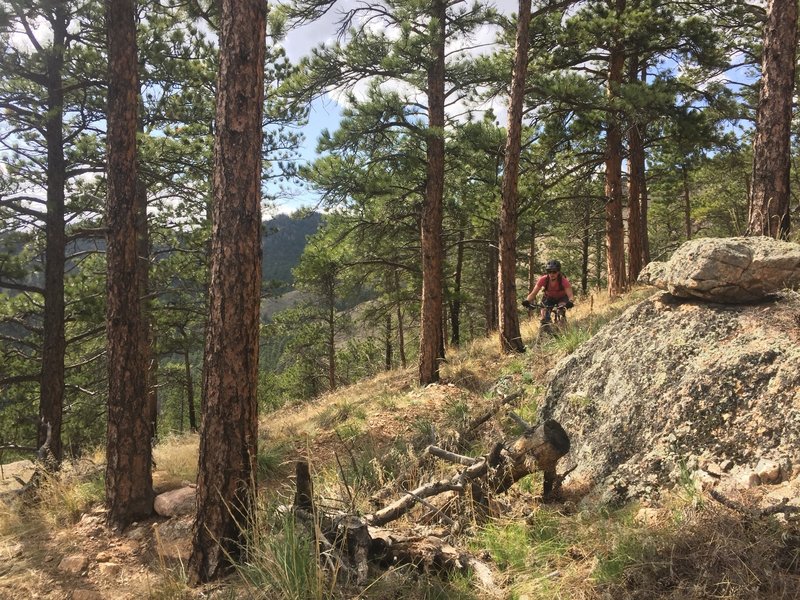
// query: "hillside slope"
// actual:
[[650, 402]]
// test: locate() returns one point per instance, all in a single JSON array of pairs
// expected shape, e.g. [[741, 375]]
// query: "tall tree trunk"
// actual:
[[586, 240], [532, 257], [455, 307], [387, 362], [129, 486], [615, 240], [490, 284], [641, 169], [635, 179], [769, 202], [510, 336], [432, 209], [331, 318], [143, 249], [187, 366], [228, 441], [687, 202], [143, 265], [598, 263], [51, 390], [401, 341], [635, 186]]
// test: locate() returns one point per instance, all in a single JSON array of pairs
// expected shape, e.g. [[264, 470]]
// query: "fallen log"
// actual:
[[537, 448], [380, 497], [356, 540]]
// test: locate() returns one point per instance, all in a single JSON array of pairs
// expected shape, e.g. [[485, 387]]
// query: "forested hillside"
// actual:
[[283, 243], [473, 148]]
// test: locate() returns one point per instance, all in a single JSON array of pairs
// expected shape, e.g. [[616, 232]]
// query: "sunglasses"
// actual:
[[552, 272]]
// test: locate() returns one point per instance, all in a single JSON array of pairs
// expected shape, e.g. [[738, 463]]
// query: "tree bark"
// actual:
[[51, 390], [432, 209], [187, 365], [510, 336], [129, 487], [641, 169], [143, 263], [635, 187], [401, 341], [532, 257], [331, 322], [615, 242], [490, 285], [687, 202], [769, 200], [455, 307], [586, 240], [228, 441]]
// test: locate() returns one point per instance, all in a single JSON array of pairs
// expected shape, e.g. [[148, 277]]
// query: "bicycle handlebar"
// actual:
[[568, 304]]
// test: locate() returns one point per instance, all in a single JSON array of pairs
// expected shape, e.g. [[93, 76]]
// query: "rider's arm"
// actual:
[[533, 293], [570, 294]]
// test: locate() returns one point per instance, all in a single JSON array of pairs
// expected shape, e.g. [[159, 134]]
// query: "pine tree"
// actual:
[[228, 445]]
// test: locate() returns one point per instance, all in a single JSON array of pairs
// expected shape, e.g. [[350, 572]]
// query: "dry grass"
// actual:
[[176, 460]]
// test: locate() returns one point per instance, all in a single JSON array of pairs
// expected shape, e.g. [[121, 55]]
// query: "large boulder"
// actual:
[[671, 386], [729, 270]]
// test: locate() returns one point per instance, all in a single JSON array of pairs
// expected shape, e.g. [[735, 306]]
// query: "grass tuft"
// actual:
[[282, 561], [176, 457]]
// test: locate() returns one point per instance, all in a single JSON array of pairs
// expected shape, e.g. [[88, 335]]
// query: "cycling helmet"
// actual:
[[553, 265]]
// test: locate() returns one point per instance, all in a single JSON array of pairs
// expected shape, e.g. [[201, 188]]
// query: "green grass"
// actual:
[[567, 340], [339, 413], [549, 544], [507, 543], [282, 561], [270, 458], [627, 551]]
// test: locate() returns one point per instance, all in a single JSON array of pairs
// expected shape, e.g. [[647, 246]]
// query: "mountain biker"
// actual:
[[557, 290]]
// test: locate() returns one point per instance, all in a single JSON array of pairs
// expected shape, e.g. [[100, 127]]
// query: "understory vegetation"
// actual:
[[361, 439]]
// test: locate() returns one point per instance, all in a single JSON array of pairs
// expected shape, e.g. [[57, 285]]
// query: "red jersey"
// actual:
[[552, 288]]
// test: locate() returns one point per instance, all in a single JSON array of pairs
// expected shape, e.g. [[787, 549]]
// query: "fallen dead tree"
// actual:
[[380, 497], [353, 542]]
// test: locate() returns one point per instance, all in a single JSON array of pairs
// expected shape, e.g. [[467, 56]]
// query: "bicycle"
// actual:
[[554, 319]]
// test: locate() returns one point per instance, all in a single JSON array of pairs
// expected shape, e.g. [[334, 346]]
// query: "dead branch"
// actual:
[[350, 542], [379, 497], [782, 507], [540, 447], [451, 456], [475, 423]]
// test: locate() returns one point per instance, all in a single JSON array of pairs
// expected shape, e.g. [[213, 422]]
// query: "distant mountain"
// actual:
[[283, 243]]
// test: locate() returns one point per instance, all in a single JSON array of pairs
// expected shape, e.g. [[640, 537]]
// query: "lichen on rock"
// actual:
[[728, 270], [672, 383]]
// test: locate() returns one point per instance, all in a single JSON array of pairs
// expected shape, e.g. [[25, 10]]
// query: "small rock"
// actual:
[[749, 480], [136, 533], [103, 556], [726, 465], [74, 565], [109, 569], [12, 551], [88, 519], [648, 516], [768, 471], [706, 479]]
